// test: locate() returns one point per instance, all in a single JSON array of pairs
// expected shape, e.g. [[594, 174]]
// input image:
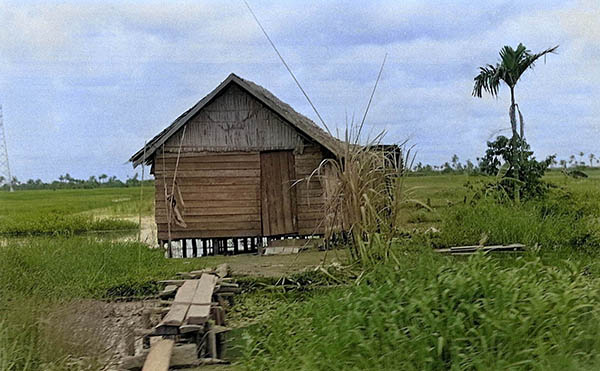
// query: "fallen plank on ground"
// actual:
[[159, 357]]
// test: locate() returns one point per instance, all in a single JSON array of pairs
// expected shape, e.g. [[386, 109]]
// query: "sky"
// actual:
[[84, 83]]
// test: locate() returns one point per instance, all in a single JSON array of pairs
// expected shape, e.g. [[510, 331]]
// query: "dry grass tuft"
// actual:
[[365, 195]]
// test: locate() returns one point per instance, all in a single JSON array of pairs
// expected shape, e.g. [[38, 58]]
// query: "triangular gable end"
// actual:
[[301, 123]]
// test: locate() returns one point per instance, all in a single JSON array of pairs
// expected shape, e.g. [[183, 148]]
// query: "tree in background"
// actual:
[[528, 182], [513, 63], [563, 164]]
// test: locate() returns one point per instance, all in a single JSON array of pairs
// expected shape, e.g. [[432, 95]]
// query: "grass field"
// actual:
[[540, 310], [67, 212]]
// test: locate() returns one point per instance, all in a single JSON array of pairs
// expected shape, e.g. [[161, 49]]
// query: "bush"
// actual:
[[473, 315], [526, 177]]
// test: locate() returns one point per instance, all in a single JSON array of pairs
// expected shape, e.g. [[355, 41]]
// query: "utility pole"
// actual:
[[4, 166]]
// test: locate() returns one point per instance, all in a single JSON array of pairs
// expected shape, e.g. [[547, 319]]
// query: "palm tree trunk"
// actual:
[[515, 142]]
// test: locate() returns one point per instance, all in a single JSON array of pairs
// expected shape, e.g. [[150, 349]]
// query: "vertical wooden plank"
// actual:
[[276, 196], [264, 189], [292, 190], [286, 204], [184, 248]]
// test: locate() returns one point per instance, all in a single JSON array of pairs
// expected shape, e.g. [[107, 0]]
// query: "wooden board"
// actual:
[[181, 304], [239, 208], [182, 355], [204, 291], [278, 195], [199, 311], [220, 192], [190, 233], [159, 357], [186, 292]]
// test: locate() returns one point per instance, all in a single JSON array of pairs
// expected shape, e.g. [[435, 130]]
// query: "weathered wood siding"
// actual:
[[279, 207], [221, 194], [234, 121], [309, 195]]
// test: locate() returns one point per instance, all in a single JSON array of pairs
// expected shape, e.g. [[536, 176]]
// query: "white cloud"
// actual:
[[112, 74]]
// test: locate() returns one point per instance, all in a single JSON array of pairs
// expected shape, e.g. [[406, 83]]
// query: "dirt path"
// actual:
[[276, 265]]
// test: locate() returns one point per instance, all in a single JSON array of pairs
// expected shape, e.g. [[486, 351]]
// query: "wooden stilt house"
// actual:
[[226, 170]]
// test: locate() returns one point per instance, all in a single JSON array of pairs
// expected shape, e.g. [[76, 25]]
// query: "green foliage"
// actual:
[[513, 63], [557, 222], [60, 225], [79, 267], [436, 314], [68, 182], [526, 178]]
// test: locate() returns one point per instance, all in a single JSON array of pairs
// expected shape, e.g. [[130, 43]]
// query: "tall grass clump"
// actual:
[[557, 221], [437, 314], [365, 195]]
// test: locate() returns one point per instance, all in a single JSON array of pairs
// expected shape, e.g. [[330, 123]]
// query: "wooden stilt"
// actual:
[[235, 245], [184, 248], [194, 248]]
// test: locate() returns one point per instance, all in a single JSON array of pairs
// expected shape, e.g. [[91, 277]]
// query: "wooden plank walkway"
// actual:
[[196, 314]]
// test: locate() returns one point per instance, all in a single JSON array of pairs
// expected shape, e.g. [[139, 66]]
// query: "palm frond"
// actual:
[[528, 60], [488, 80]]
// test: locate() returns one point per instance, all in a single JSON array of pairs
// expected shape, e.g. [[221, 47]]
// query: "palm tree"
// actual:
[[513, 63], [591, 156], [563, 163]]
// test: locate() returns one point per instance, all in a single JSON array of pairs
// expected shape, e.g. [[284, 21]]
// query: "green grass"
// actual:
[[67, 212], [38, 275], [436, 313], [423, 312], [72, 201]]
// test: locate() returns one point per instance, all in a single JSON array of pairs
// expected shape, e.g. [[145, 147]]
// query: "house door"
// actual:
[[277, 174]]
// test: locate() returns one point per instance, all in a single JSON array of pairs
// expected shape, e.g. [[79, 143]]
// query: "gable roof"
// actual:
[[297, 120]]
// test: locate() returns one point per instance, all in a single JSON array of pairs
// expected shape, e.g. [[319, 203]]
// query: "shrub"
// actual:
[[498, 161]]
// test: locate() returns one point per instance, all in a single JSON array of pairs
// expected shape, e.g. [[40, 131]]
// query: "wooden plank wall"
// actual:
[[236, 121], [309, 194], [221, 193]]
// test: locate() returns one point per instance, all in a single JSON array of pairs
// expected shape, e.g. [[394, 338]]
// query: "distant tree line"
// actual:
[[68, 182], [455, 166]]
